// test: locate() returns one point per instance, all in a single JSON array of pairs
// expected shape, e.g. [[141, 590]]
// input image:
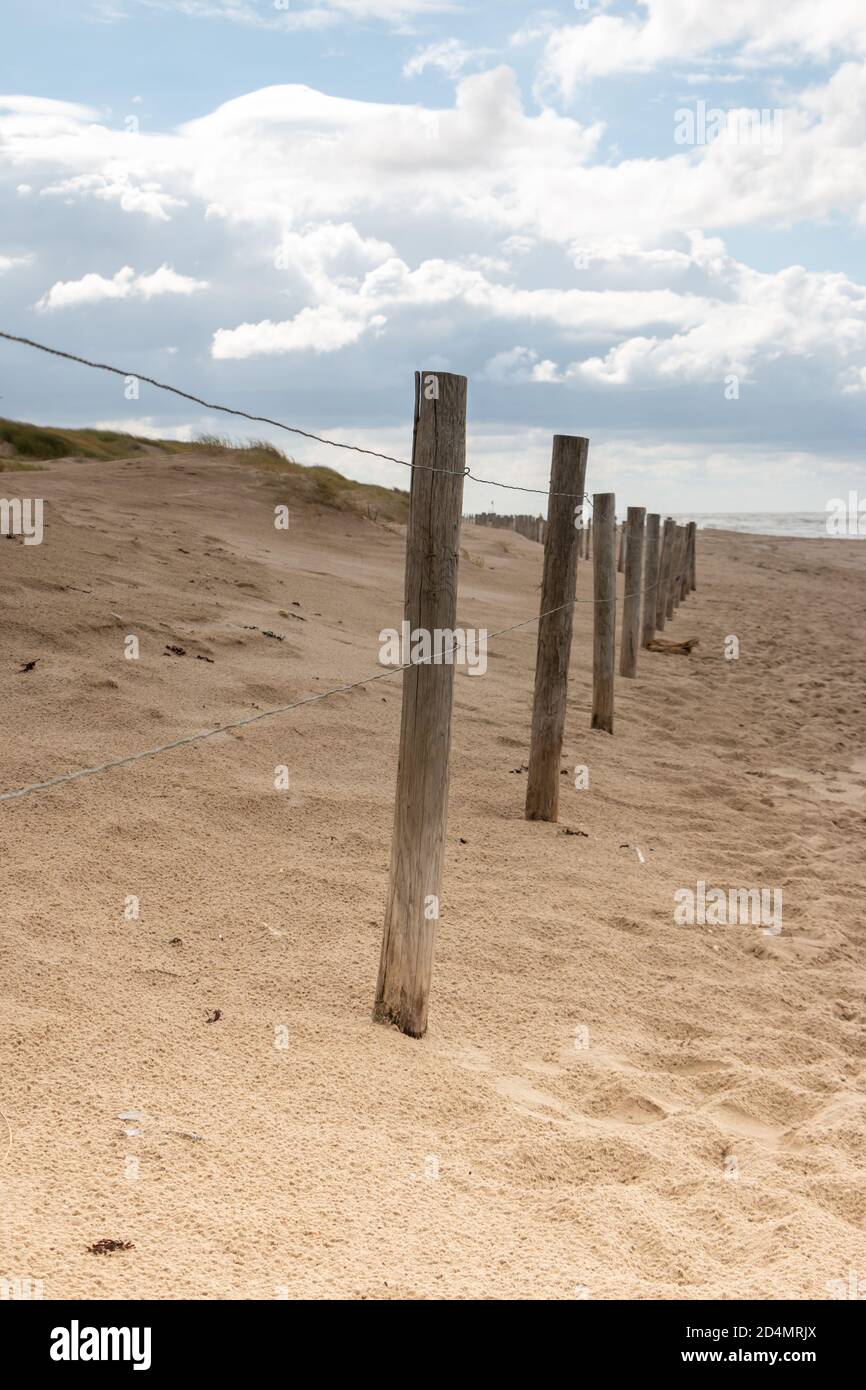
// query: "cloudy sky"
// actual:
[[643, 222]]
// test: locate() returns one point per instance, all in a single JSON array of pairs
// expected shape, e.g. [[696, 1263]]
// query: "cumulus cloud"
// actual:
[[126, 284], [746, 319], [438, 283], [506, 238], [283, 157], [322, 329], [117, 187], [754, 32], [519, 364]]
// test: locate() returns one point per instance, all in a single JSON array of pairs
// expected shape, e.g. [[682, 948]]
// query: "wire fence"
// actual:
[[278, 709], [278, 424], [202, 734]]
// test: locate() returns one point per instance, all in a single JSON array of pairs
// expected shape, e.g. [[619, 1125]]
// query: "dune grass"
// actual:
[[44, 442], [24, 446]]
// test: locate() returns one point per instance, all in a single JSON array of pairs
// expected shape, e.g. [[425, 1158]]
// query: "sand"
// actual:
[[593, 1075]]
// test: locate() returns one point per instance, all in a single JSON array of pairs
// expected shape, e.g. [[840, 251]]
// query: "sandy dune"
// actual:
[[499, 1157]]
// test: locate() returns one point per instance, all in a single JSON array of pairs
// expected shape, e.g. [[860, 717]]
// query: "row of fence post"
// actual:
[[532, 527], [659, 571]]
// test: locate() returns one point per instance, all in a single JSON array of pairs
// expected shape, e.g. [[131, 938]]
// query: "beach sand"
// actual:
[[607, 1104]]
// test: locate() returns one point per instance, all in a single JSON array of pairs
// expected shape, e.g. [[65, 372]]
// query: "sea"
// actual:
[[811, 525]]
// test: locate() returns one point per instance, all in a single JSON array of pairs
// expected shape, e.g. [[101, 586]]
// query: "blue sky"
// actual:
[[289, 208]]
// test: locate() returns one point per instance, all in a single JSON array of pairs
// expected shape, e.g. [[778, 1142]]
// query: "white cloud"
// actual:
[[10, 262], [484, 223], [284, 157], [747, 319], [297, 14], [519, 364], [147, 428], [48, 110], [351, 310], [322, 329], [117, 187], [854, 381], [289, 167], [449, 54], [760, 32], [330, 248], [126, 284]]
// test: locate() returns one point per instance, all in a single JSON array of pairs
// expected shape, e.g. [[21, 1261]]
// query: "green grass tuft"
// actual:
[[21, 442]]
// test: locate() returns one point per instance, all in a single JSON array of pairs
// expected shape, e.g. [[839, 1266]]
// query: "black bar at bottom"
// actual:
[[66, 1338]]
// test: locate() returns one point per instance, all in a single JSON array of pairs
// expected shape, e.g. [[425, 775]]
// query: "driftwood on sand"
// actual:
[[662, 644]]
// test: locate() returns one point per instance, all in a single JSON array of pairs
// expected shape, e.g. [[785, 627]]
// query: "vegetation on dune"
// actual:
[[23, 446], [319, 486], [44, 442]]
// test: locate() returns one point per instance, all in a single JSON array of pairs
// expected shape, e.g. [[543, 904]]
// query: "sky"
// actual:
[[639, 222]]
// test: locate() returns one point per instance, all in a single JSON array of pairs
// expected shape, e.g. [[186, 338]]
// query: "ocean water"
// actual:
[[812, 525]]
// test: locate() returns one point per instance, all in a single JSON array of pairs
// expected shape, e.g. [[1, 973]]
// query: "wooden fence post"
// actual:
[[675, 571], [630, 639], [664, 573], [693, 536], [432, 552], [672, 570], [559, 580], [679, 566], [604, 627], [684, 574], [650, 578], [620, 561], [684, 566]]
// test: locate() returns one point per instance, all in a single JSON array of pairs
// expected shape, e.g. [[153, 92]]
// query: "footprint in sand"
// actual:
[[733, 1120], [526, 1098], [616, 1103]]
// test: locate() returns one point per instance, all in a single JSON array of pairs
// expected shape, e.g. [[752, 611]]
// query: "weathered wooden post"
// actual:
[[588, 542], [672, 571], [604, 627], [693, 536], [671, 605], [685, 578], [664, 573], [680, 565], [630, 639], [650, 578], [559, 580], [432, 552], [620, 561], [684, 575]]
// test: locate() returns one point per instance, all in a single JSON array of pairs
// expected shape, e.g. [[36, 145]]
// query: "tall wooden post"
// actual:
[[587, 549], [650, 578], [679, 565], [604, 606], [672, 570], [693, 536], [432, 551], [559, 580], [685, 577], [630, 639], [672, 599], [620, 560], [664, 573]]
